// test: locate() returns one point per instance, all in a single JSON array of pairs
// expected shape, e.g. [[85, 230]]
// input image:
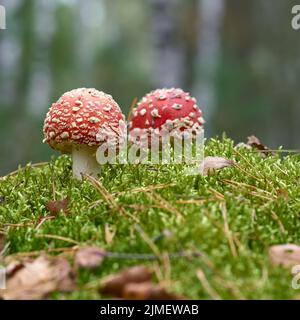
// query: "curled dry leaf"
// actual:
[[255, 143], [89, 257], [148, 291], [114, 285], [38, 278], [285, 255], [214, 163], [55, 207]]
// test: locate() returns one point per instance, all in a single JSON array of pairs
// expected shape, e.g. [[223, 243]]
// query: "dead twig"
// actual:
[[34, 165], [206, 286], [227, 230], [55, 237], [108, 197]]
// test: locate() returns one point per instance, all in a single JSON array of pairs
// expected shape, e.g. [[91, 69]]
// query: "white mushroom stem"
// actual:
[[84, 162]]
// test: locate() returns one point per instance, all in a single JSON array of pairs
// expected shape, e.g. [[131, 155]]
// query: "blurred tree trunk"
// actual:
[[40, 77], [278, 66], [210, 18], [26, 18], [169, 55], [9, 57]]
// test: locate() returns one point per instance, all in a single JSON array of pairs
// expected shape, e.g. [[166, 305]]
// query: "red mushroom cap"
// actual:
[[166, 109], [85, 117]]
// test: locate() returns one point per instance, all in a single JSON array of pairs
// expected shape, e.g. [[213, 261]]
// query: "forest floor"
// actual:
[[204, 237]]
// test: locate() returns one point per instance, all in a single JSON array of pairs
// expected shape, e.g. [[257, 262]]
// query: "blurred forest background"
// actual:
[[241, 59]]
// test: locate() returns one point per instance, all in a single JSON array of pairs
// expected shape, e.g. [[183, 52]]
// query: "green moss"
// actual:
[[257, 217]]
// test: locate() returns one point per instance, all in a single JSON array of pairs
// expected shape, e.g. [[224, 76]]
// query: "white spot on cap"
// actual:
[[143, 112], [147, 122], [79, 120], [51, 134], [192, 115], [195, 106], [65, 135], [177, 106], [177, 96], [107, 108], [94, 120], [78, 103], [162, 97], [201, 120], [75, 109], [155, 114]]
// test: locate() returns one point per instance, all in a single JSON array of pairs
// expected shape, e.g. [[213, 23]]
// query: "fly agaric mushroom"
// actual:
[[165, 110], [79, 122]]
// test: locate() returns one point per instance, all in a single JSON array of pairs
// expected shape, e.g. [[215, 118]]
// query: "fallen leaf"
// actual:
[[114, 285], [255, 143], [55, 207], [13, 267], [38, 278], [282, 193], [214, 163], [148, 291], [89, 257], [110, 233], [285, 255]]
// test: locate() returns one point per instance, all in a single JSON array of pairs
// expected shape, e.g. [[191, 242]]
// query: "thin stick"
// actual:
[[207, 287], [55, 237], [227, 230], [38, 252], [163, 204], [280, 224], [274, 150], [149, 242], [147, 189], [108, 197], [35, 165], [44, 220], [133, 104]]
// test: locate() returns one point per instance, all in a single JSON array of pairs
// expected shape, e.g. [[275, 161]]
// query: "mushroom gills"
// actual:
[[84, 162]]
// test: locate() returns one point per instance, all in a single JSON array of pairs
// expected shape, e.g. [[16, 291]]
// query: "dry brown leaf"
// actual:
[[55, 207], [89, 257], [38, 278], [282, 193], [255, 143], [110, 233], [13, 267], [148, 291], [285, 255], [115, 284], [214, 163]]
